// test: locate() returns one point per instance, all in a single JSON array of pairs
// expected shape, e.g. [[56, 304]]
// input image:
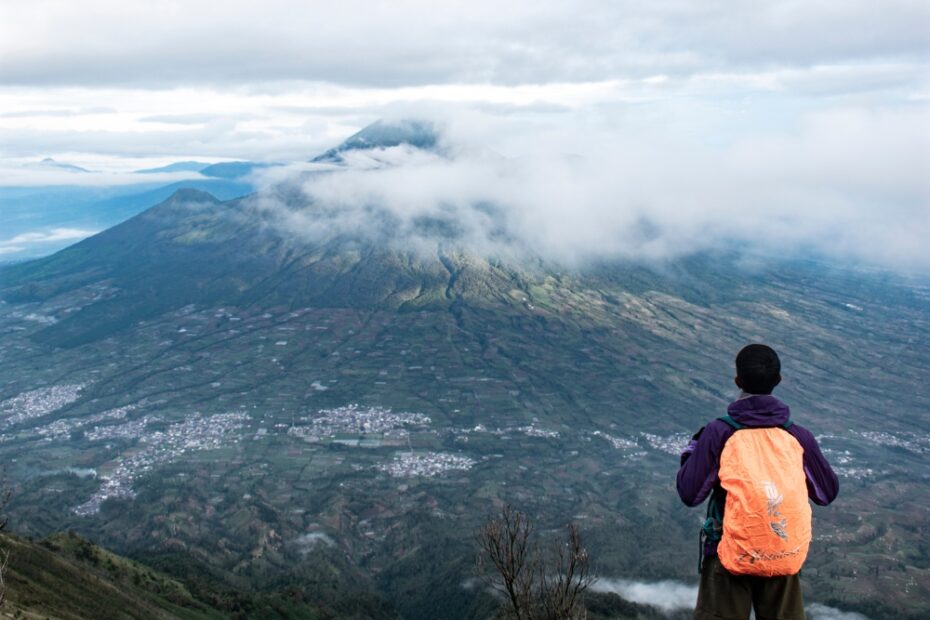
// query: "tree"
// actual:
[[535, 583]]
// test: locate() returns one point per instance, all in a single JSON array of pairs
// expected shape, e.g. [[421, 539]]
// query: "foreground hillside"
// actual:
[[66, 577]]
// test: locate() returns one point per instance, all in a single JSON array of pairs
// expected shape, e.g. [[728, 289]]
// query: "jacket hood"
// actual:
[[759, 410]]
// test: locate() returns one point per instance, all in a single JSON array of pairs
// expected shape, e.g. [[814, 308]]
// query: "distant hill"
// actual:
[[180, 166], [26, 210], [233, 169], [51, 163]]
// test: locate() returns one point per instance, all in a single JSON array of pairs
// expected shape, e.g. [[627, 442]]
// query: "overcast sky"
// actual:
[[280, 79], [832, 93]]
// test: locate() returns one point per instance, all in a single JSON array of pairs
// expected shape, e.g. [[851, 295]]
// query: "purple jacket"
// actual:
[[700, 460]]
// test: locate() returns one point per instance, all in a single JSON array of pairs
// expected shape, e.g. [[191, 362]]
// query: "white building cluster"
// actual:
[[918, 444], [162, 447], [670, 444], [426, 465], [530, 430], [37, 403], [61, 430], [620, 443], [353, 419], [128, 430]]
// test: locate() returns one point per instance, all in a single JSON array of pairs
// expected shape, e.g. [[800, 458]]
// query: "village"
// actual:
[[163, 447]]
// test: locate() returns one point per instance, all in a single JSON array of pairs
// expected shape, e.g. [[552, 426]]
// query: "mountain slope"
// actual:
[[352, 409], [66, 577]]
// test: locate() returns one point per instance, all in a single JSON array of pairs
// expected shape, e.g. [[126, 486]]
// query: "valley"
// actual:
[[257, 440]]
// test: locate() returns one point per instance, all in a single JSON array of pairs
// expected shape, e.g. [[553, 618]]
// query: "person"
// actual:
[[737, 576]]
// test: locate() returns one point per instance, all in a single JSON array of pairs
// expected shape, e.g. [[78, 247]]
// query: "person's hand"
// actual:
[[689, 449]]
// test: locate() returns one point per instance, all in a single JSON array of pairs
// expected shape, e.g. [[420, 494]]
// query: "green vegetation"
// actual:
[[67, 577], [570, 390]]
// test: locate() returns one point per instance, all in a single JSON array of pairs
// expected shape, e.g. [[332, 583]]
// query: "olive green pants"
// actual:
[[724, 596]]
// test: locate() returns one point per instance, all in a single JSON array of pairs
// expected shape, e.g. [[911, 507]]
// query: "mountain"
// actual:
[[179, 166], [221, 170], [51, 163], [384, 134], [233, 169], [30, 212], [220, 387]]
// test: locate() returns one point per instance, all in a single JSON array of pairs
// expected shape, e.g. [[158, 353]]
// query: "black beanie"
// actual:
[[758, 369]]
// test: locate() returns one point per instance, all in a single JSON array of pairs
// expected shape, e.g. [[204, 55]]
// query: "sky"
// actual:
[[813, 115]]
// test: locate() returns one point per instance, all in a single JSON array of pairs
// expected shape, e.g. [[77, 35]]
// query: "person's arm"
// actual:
[[700, 462], [822, 483]]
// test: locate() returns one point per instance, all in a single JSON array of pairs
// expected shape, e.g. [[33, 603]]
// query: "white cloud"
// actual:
[[666, 595], [17, 243], [850, 185], [26, 173], [416, 42], [692, 123], [670, 596], [816, 611]]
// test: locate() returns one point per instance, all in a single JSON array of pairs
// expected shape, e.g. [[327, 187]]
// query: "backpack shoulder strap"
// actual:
[[731, 422], [736, 425]]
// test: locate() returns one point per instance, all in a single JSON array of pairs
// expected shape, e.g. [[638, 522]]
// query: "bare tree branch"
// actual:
[[534, 586]]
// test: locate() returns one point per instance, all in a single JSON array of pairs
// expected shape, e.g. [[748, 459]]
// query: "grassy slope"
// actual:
[[67, 577]]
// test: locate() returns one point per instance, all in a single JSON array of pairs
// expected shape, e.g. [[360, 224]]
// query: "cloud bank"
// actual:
[[848, 185], [670, 596], [666, 595], [20, 242], [576, 129], [415, 42]]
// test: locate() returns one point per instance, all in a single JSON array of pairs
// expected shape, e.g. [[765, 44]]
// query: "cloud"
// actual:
[[816, 611], [666, 595], [20, 242], [412, 42], [56, 234], [850, 185], [31, 174], [579, 129], [670, 596], [180, 119], [307, 542]]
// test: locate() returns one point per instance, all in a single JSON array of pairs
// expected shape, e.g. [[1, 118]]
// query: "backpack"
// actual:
[[767, 529]]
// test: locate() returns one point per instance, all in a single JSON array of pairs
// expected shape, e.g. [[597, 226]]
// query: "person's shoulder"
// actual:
[[718, 430], [796, 429], [719, 424], [804, 436]]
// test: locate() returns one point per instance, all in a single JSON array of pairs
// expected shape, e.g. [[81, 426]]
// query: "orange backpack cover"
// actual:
[[767, 517]]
